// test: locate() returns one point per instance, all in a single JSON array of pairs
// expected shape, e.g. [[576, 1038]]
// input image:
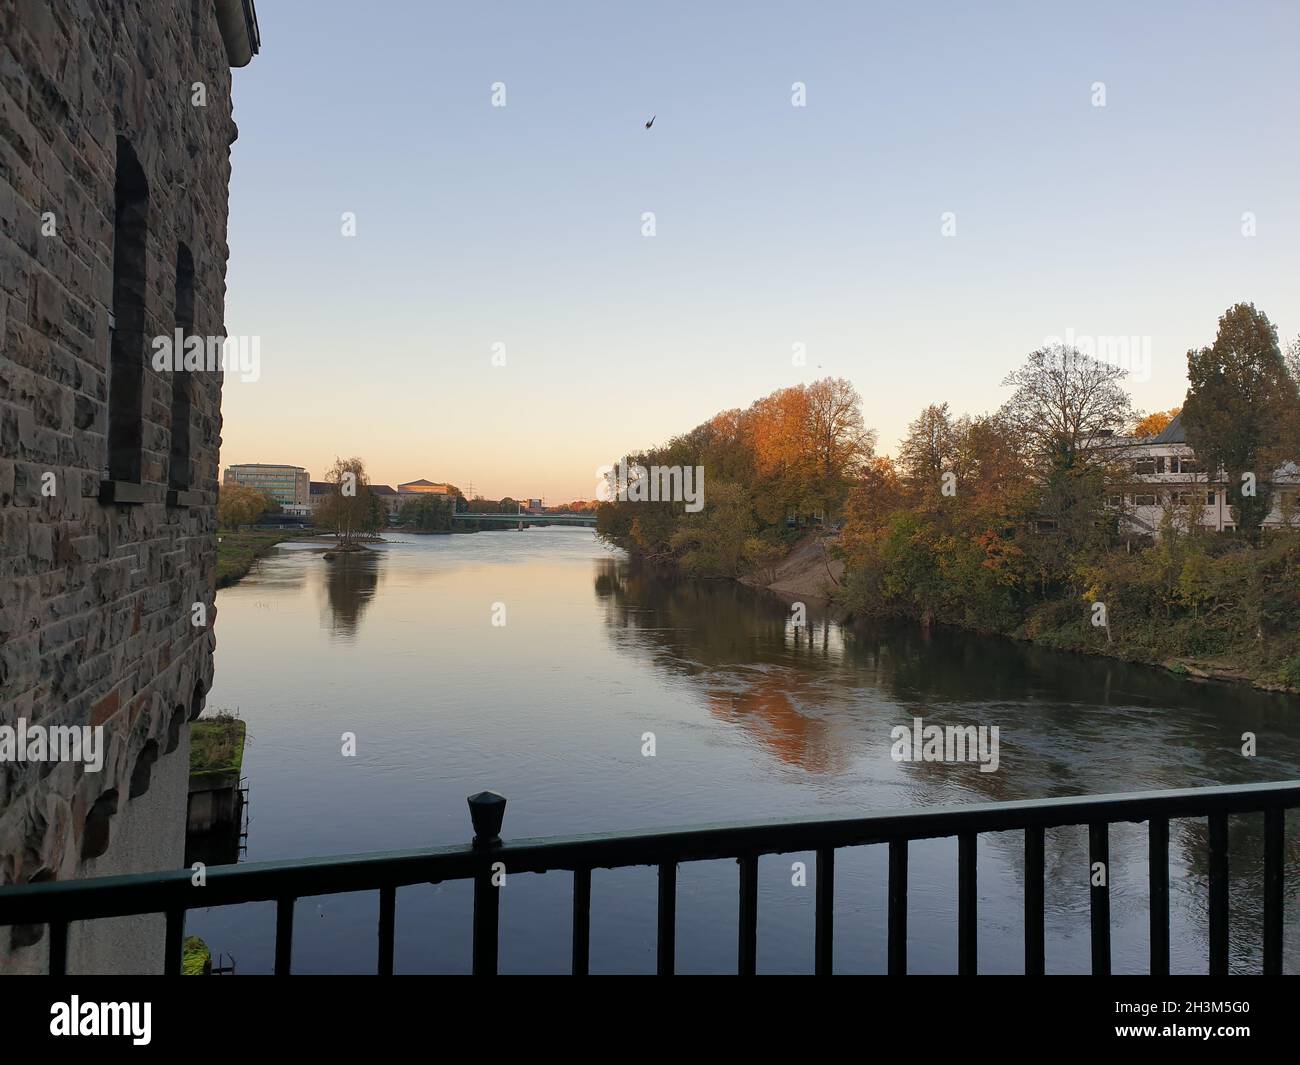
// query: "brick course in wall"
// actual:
[[96, 598]]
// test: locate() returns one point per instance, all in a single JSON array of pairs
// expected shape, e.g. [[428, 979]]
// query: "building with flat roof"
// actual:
[[287, 485]]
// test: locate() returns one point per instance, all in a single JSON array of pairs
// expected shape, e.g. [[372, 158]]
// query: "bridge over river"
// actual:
[[531, 519]]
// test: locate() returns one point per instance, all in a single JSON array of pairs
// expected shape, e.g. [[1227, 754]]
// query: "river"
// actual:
[[752, 717]]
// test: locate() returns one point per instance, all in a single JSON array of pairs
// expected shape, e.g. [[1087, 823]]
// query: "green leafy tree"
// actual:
[[429, 513], [1242, 409]]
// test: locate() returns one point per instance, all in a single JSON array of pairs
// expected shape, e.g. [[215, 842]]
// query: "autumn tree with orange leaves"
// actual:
[[797, 451]]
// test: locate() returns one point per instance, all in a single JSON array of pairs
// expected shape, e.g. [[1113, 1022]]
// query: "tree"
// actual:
[[869, 507], [712, 542], [928, 451], [841, 442], [375, 516], [1242, 409], [1063, 404], [429, 513], [992, 470], [238, 505], [349, 509], [1155, 424], [809, 444]]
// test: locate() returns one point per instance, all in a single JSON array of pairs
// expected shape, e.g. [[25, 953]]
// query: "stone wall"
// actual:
[[96, 598]]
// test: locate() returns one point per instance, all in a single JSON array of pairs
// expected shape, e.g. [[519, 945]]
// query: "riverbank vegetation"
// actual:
[[196, 958], [785, 463], [237, 551], [427, 514], [238, 505], [217, 745], [1006, 522]]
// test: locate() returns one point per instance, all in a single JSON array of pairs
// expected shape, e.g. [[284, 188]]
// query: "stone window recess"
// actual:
[[180, 473], [126, 360]]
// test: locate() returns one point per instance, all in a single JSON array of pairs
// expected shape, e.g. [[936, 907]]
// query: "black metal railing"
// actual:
[[58, 903]]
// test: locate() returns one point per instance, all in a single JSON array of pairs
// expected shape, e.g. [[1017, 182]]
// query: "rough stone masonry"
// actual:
[[115, 134]]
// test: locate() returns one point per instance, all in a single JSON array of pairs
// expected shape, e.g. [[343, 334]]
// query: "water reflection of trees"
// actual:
[[820, 697], [350, 580], [739, 645]]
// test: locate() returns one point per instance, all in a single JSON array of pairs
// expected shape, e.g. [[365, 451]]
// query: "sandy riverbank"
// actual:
[[807, 572]]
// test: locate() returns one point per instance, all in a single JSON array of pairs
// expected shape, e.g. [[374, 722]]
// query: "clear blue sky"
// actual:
[[776, 225]]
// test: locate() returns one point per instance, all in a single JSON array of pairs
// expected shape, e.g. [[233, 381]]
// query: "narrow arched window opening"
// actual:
[[180, 475], [127, 319]]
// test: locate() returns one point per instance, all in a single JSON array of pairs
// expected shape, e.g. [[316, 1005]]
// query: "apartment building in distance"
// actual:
[[290, 486], [1166, 478]]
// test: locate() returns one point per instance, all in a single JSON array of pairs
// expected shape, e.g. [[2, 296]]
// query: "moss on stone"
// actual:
[[196, 958]]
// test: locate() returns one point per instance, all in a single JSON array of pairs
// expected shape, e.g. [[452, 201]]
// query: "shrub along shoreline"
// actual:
[[1208, 607]]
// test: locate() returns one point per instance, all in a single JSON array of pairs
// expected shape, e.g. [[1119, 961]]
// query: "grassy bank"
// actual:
[[217, 745], [237, 551]]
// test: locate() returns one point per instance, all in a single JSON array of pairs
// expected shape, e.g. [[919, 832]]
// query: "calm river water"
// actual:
[[752, 719]]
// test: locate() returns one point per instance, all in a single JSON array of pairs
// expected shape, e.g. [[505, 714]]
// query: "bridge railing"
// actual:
[[58, 903]]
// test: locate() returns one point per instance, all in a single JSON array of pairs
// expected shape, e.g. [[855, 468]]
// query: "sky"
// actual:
[[517, 231]]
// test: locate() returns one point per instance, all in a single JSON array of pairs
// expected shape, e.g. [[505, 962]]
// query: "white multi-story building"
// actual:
[[1167, 481]]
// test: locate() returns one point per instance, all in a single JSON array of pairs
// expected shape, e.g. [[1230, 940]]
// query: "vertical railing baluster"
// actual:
[[666, 952], [1274, 837], [1099, 896], [967, 942], [1158, 877], [581, 922], [1218, 894], [487, 918], [747, 948], [898, 907], [487, 810], [283, 935], [173, 946], [58, 948], [387, 928], [1035, 939], [824, 948]]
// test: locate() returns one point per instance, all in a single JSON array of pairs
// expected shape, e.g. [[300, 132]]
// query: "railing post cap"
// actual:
[[487, 810]]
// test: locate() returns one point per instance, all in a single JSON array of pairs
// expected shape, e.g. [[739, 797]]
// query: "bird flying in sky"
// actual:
[[651, 122]]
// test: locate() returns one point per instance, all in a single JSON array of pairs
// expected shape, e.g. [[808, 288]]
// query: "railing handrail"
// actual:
[[156, 892]]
